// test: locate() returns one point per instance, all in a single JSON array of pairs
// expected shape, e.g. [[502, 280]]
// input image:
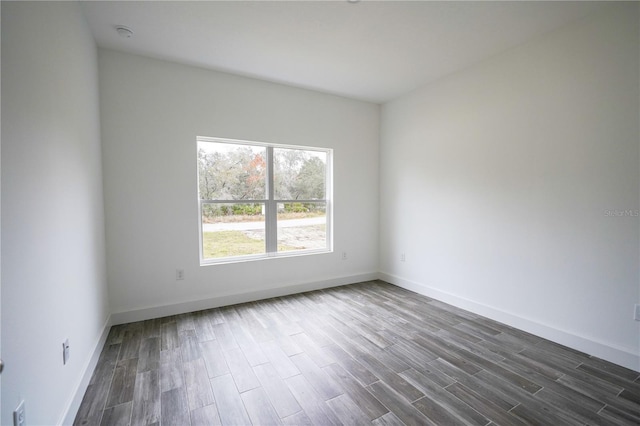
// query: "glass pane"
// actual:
[[302, 226], [231, 172], [232, 230], [299, 174]]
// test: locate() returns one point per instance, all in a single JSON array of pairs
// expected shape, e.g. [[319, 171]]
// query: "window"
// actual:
[[260, 200]]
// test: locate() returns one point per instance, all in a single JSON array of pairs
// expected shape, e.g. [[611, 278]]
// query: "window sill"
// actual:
[[269, 256]]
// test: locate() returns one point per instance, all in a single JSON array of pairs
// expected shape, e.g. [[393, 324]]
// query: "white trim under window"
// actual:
[[260, 200]]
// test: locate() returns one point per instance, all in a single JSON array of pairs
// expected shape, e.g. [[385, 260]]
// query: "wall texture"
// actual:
[[151, 113], [53, 249], [503, 185]]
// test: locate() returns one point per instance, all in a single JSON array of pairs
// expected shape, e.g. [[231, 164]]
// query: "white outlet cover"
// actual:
[[19, 415], [636, 312], [65, 352]]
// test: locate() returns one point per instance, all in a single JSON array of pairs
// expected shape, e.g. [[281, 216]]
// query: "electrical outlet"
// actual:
[[636, 312], [403, 258], [65, 352], [179, 274], [19, 415], [344, 255]]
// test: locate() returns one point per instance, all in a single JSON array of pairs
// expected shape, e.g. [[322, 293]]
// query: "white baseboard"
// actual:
[[69, 414], [598, 349], [232, 299]]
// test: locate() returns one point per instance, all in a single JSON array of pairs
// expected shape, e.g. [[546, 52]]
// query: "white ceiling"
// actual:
[[371, 50]]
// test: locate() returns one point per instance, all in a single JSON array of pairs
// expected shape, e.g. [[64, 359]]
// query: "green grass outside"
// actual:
[[232, 243]]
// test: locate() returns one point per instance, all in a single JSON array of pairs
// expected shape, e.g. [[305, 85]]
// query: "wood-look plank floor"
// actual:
[[368, 353]]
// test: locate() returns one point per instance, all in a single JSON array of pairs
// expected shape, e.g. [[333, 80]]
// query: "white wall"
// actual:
[[151, 113], [53, 268], [495, 182]]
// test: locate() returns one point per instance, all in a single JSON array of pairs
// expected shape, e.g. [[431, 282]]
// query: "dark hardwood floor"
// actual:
[[369, 353]]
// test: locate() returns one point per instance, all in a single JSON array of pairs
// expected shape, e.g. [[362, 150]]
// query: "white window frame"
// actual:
[[271, 205]]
